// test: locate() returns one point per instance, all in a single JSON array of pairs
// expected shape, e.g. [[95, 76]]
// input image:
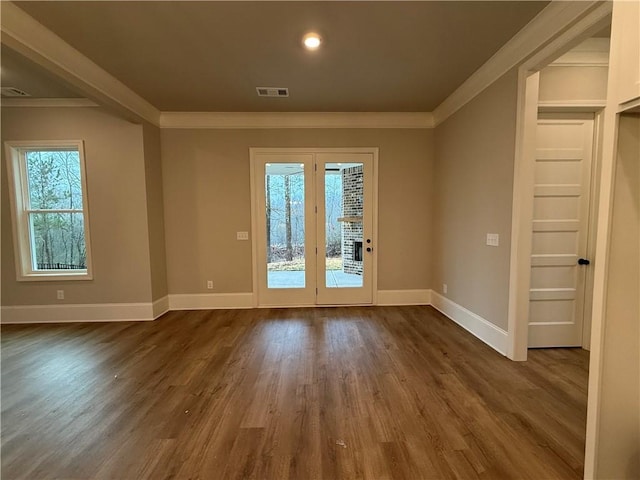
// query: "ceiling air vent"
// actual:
[[272, 92], [13, 92]]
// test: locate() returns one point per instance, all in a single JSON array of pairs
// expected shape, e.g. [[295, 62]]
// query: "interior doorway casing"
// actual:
[[522, 209], [315, 153]]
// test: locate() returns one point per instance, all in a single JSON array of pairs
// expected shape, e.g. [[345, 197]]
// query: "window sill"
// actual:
[[55, 277]]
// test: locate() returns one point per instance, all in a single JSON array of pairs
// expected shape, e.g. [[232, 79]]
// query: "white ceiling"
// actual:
[[209, 56]]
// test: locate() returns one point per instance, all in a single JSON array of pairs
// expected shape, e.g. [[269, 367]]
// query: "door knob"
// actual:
[[583, 261], [368, 249]]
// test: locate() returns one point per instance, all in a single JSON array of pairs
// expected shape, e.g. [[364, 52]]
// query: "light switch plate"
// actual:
[[493, 239], [242, 235]]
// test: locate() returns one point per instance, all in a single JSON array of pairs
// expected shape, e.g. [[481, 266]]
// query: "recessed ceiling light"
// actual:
[[311, 41]]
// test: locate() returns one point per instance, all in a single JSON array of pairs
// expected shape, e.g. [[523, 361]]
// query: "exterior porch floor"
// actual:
[[295, 279]]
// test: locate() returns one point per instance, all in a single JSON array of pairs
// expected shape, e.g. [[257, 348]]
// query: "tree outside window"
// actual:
[[50, 214]]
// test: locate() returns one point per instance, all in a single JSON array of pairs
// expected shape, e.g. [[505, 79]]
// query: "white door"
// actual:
[[313, 223], [559, 259], [284, 228], [344, 221]]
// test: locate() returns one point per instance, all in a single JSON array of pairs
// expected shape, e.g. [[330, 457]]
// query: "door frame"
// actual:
[[253, 152], [522, 206]]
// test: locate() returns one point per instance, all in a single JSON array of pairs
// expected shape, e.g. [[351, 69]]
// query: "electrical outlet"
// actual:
[[444, 288], [60, 294], [210, 284]]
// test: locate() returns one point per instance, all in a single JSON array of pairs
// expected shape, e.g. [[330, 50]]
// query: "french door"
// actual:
[[313, 223]]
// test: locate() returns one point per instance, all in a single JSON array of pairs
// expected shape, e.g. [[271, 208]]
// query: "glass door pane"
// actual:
[[313, 221], [344, 189], [343, 194], [285, 225]]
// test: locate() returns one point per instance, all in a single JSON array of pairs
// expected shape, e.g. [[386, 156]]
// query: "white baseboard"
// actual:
[[113, 312], [486, 331], [107, 312], [160, 306], [404, 297], [121, 312], [206, 301]]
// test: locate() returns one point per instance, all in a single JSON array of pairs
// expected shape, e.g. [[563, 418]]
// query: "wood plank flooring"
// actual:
[[325, 393]]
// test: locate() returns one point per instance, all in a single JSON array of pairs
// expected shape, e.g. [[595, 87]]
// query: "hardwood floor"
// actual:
[[331, 393]]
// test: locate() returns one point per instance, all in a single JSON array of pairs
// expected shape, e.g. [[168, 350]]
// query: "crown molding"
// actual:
[[296, 120], [24, 34], [593, 52], [552, 106], [552, 20], [47, 102]]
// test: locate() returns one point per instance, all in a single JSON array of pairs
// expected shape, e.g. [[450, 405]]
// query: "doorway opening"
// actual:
[[314, 222], [596, 24]]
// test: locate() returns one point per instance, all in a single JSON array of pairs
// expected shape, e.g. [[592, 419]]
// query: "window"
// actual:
[[49, 210]]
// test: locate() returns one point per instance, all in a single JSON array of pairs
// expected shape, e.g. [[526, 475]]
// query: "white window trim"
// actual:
[[18, 193]]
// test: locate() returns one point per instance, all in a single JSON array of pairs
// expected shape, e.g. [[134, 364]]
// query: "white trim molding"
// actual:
[[548, 23], [404, 297], [106, 312], [23, 33], [296, 120], [623, 30], [160, 306], [210, 301], [593, 52], [128, 312], [574, 106], [592, 21], [481, 328]]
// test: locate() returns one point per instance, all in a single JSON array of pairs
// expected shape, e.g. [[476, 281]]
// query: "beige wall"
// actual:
[[473, 195], [573, 84], [117, 207], [208, 199], [155, 210], [618, 454]]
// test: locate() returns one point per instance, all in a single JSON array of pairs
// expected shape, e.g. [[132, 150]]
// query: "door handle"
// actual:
[[368, 249], [583, 261]]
